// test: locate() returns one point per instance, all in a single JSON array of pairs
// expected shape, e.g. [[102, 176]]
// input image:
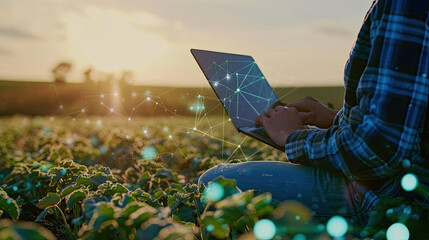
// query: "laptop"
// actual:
[[242, 89]]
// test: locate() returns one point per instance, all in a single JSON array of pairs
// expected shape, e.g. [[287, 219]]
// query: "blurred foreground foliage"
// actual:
[[77, 180]]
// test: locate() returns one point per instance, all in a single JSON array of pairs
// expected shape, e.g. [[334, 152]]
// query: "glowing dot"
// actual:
[[321, 227], [165, 129], [195, 128], [99, 122], [297, 217], [145, 131], [103, 149], [129, 119], [264, 229], [83, 110], [63, 171], [337, 226], [127, 137], [101, 96], [45, 167], [134, 94], [299, 236], [238, 90], [409, 182], [397, 231], [424, 75], [148, 98], [112, 110], [15, 188], [239, 146], [214, 192], [156, 103], [406, 163], [210, 228], [149, 153], [8, 201], [115, 94], [61, 106], [101, 103], [228, 77], [169, 136], [215, 84]]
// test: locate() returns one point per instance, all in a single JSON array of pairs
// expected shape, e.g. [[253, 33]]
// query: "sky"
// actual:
[[294, 42]]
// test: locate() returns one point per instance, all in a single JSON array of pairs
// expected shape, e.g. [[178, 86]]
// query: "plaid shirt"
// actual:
[[381, 127]]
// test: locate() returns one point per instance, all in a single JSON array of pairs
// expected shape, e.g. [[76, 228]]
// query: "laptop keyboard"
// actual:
[[261, 132]]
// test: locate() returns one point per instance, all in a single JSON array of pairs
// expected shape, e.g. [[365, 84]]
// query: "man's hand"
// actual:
[[313, 112], [279, 123]]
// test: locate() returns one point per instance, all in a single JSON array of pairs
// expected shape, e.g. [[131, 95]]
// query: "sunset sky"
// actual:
[[295, 42]]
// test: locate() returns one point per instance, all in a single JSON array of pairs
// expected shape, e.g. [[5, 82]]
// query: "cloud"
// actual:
[[15, 33], [332, 28], [5, 52]]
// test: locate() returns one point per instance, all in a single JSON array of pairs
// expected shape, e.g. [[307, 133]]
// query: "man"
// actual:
[[382, 132]]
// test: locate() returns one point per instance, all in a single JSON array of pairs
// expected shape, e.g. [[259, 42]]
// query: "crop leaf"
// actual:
[[75, 197], [50, 200], [8, 205]]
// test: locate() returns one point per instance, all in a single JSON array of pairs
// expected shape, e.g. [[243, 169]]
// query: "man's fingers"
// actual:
[[269, 112], [259, 121], [307, 118], [301, 105]]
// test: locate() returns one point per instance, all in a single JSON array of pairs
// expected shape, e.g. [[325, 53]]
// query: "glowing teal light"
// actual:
[[197, 107], [264, 229], [210, 228], [45, 167], [15, 188], [103, 149], [63, 171], [409, 182], [397, 231], [238, 90], [214, 192], [321, 227], [8, 201], [149, 153], [94, 140], [299, 236], [337, 226]]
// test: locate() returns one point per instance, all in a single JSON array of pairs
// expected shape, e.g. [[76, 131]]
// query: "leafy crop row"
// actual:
[[123, 180]]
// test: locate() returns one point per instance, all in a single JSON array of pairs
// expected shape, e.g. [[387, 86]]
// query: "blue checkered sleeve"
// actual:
[[386, 99]]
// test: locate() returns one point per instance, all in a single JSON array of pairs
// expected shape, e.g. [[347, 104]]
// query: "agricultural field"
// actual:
[[114, 178]]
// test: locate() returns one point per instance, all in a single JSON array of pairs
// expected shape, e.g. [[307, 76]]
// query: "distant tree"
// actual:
[[60, 72], [126, 78], [88, 78]]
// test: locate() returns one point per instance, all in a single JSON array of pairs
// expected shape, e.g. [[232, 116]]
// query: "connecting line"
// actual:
[[245, 77], [238, 147], [251, 83], [256, 111], [205, 134], [253, 154]]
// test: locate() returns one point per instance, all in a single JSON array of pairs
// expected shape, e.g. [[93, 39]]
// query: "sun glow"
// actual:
[[111, 40]]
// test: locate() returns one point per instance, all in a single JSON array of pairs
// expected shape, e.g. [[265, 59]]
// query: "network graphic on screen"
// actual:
[[240, 86]]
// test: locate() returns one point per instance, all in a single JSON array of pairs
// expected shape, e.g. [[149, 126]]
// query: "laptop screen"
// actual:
[[239, 84]]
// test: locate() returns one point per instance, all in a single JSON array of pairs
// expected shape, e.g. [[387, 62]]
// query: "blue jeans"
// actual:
[[324, 193]]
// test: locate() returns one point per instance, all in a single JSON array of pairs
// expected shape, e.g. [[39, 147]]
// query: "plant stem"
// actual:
[[65, 222]]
